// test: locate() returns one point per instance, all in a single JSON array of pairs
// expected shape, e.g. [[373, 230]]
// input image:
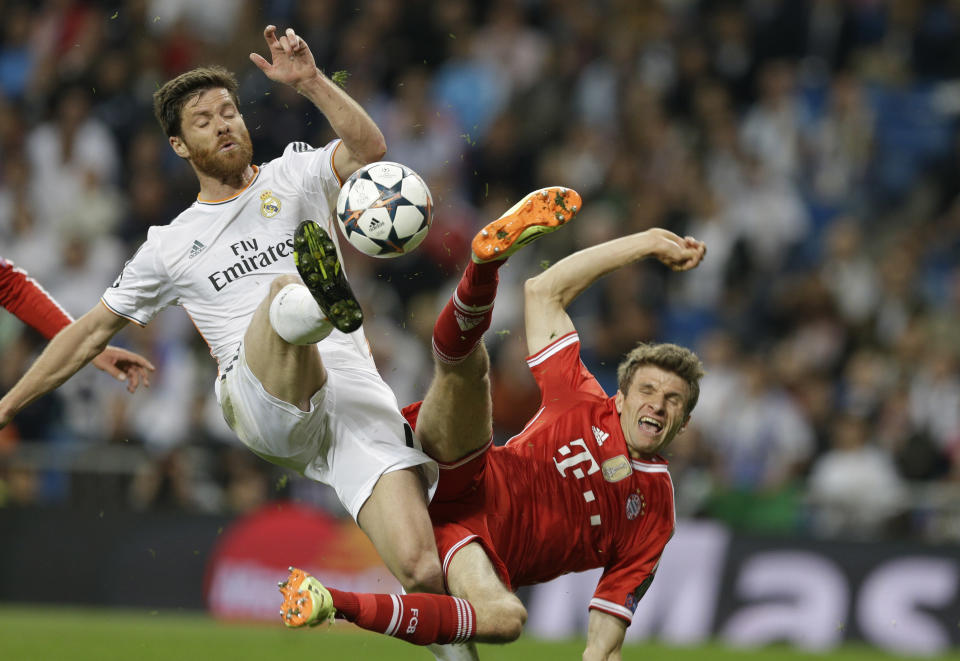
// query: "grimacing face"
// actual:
[[652, 410], [214, 137]]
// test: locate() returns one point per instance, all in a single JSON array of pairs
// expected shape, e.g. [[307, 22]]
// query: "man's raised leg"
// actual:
[[460, 390]]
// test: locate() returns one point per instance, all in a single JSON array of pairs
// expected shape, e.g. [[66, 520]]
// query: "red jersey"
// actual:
[[563, 495], [24, 297]]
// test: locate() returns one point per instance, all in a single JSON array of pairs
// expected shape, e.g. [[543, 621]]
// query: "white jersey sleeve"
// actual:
[[143, 287], [313, 168]]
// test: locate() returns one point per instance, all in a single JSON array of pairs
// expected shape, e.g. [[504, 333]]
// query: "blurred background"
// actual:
[[812, 144]]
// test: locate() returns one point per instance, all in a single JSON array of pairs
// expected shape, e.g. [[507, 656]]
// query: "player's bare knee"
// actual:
[[508, 623], [421, 572]]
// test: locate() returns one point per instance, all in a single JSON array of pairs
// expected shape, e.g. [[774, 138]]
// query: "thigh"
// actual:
[[456, 415], [471, 575], [289, 372], [368, 438], [274, 429]]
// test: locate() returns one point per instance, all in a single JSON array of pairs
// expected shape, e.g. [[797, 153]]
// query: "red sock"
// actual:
[[466, 316], [419, 618]]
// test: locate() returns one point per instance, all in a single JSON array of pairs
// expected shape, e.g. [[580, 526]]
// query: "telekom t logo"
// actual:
[[580, 458]]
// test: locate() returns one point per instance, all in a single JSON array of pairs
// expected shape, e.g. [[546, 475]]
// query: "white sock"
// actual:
[[455, 652], [296, 317]]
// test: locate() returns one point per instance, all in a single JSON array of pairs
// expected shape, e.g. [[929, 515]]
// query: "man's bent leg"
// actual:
[[481, 608], [461, 387], [421, 619], [500, 613], [395, 519], [293, 373]]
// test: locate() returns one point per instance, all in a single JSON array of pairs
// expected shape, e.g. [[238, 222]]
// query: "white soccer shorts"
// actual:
[[352, 434]]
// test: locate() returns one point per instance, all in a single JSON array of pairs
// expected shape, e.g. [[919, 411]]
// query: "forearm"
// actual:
[[347, 118], [566, 279], [605, 634], [63, 357]]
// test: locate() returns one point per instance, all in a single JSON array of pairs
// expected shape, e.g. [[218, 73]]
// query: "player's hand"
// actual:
[[680, 254], [292, 62], [126, 366]]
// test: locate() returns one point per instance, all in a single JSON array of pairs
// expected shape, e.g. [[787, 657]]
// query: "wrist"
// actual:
[[647, 244], [310, 83]]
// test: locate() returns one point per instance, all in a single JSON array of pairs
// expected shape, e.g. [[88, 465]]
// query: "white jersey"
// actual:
[[217, 259]]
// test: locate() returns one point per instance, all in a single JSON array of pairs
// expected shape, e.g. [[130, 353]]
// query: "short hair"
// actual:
[[168, 101], [668, 357]]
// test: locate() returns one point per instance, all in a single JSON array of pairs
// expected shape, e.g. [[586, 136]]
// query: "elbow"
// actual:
[[376, 150], [535, 287], [381, 149], [543, 288]]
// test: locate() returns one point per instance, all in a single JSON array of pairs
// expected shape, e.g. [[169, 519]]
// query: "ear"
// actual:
[[683, 427], [179, 146], [618, 401]]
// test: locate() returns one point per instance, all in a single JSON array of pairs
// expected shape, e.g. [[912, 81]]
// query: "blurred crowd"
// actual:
[[812, 144]]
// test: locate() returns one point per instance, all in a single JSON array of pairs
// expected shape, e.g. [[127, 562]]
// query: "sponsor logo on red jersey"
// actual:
[[616, 468]]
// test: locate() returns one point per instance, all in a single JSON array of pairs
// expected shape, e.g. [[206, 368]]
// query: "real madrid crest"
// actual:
[[636, 505], [269, 204]]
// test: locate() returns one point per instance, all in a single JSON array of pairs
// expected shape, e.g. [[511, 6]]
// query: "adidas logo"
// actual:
[[466, 323], [196, 249], [600, 435]]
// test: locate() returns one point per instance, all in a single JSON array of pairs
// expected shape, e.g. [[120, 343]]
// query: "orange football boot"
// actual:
[[538, 213], [306, 603]]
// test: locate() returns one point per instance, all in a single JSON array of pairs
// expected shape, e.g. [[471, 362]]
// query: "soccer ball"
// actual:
[[385, 209]]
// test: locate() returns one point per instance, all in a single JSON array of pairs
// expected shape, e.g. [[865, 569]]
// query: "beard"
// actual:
[[227, 167]]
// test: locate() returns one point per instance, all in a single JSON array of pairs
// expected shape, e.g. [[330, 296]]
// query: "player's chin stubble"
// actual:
[[225, 166]]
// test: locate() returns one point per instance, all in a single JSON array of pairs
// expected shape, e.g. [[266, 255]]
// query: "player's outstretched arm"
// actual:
[[605, 634], [547, 295], [292, 63], [72, 348]]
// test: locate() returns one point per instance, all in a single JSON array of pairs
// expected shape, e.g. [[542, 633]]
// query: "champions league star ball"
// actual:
[[385, 209]]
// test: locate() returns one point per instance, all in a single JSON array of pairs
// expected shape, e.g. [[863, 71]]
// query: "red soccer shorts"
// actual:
[[465, 502]]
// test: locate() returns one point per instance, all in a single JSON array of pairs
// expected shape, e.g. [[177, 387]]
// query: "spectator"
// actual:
[[854, 488]]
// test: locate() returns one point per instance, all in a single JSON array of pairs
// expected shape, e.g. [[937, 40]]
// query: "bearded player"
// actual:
[[584, 484], [296, 379]]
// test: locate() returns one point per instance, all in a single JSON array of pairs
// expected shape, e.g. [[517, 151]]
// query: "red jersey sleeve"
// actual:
[[628, 576], [559, 371], [25, 298]]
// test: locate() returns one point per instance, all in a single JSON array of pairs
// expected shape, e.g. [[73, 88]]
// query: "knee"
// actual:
[[421, 572], [476, 366], [506, 622], [282, 281]]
